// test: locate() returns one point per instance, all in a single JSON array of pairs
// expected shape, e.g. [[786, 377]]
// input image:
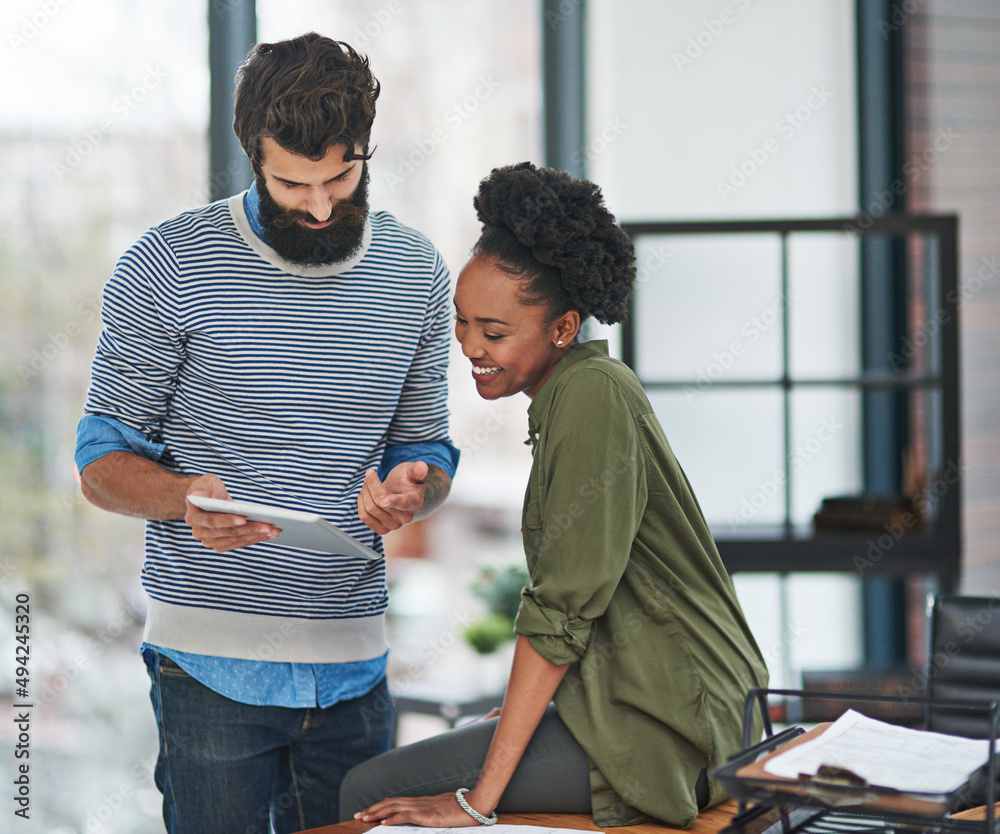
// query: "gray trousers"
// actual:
[[553, 775]]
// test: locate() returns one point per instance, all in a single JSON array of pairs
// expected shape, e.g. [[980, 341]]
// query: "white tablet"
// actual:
[[298, 529]]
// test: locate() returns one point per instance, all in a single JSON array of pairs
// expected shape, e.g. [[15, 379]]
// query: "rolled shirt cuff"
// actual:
[[555, 636], [438, 453], [98, 436]]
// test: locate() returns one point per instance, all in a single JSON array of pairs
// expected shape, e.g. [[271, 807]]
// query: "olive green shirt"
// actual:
[[627, 586]]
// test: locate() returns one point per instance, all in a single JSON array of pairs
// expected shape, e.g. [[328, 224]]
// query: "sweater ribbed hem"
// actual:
[[256, 637]]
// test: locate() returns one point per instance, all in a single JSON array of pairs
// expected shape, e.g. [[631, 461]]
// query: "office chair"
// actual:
[[964, 661]]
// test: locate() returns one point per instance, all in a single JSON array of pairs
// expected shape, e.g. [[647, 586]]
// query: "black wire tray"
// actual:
[[834, 808]]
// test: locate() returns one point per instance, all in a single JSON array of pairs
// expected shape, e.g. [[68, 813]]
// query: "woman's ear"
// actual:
[[565, 328]]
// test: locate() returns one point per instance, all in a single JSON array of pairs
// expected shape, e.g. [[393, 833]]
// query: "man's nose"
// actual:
[[319, 204]]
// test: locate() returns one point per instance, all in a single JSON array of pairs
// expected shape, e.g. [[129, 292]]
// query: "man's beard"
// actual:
[[287, 235]]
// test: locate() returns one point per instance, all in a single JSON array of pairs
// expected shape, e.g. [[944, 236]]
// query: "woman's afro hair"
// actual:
[[554, 231]]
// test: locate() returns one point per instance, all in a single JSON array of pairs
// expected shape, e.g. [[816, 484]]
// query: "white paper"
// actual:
[[886, 755], [477, 829]]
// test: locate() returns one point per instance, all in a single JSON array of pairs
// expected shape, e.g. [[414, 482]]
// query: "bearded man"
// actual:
[[283, 346]]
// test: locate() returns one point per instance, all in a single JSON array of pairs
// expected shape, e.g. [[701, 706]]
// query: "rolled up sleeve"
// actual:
[[552, 634], [100, 436], [440, 453], [585, 501]]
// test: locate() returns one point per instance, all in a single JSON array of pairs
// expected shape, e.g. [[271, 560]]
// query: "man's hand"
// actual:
[[388, 505], [222, 531]]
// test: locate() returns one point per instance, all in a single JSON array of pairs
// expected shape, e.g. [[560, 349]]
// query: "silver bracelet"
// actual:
[[472, 812]]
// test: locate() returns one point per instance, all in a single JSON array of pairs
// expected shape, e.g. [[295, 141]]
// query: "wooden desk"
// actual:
[[708, 822]]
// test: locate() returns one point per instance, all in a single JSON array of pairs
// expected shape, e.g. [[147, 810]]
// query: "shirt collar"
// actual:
[[251, 205], [541, 401]]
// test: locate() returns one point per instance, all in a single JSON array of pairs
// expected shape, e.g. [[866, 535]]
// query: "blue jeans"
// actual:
[[231, 768]]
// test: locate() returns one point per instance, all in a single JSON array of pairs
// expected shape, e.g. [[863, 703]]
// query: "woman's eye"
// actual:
[[493, 337]]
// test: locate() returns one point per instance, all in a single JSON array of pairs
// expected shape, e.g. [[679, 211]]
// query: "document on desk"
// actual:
[[478, 829], [886, 755]]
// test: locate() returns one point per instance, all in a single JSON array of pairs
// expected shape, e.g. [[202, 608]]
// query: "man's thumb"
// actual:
[[418, 471]]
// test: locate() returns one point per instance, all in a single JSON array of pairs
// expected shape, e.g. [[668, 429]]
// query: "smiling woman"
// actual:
[[630, 623], [512, 347]]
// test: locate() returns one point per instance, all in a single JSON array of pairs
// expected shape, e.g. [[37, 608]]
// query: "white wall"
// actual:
[[691, 89]]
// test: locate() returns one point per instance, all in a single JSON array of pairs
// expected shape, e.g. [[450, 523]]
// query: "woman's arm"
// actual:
[[533, 682]]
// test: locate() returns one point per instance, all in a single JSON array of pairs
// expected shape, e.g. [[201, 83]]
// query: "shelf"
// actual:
[[858, 553]]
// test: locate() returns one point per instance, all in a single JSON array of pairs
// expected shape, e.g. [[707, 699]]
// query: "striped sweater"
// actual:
[[288, 382]]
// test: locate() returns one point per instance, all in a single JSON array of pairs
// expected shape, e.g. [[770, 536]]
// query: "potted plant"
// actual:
[[500, 591]]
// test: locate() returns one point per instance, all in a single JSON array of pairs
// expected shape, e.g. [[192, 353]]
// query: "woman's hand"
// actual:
[[441, 811]]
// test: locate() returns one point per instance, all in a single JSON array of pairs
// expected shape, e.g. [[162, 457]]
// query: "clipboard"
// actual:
[[841, 806], [307, 531], [828, 792]]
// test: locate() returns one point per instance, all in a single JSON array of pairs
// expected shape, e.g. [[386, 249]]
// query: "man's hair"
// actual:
[[308, 94]]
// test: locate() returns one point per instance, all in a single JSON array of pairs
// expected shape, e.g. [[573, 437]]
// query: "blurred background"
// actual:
[[758, 348]]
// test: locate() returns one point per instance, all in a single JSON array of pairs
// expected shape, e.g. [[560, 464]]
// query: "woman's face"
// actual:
[[509, 343]]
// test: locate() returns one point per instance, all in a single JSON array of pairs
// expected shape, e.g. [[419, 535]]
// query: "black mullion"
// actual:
[[786, 381]]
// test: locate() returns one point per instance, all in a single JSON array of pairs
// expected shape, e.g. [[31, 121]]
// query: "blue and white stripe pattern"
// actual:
[[287, 383]]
